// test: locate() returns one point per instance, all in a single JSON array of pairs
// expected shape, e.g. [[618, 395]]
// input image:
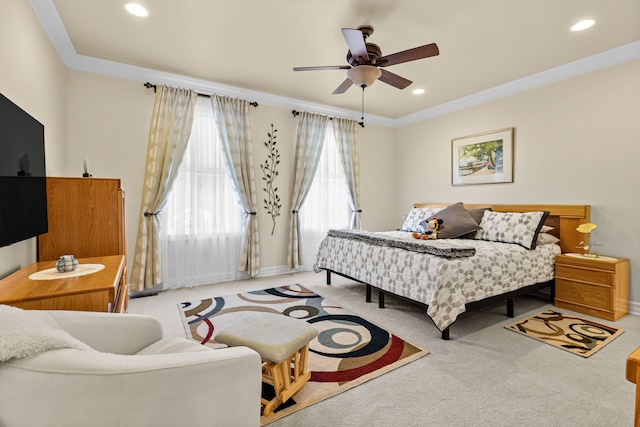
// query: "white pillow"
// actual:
[[416, 216], [23, 335], [512, 227], [545, 238]]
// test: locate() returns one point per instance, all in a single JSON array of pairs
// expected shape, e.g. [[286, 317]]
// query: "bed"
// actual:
[[510, 252]]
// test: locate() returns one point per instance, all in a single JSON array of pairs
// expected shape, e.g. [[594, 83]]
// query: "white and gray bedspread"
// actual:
[[445, 284]]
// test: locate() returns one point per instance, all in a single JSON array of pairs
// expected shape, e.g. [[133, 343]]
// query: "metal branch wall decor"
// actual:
[[270, 172]]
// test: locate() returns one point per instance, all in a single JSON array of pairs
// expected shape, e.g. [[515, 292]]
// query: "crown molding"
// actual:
[[50, 20], [595, 62], [130, 72]]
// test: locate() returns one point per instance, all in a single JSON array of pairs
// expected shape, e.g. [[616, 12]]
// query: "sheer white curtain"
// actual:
[[202, 220], [327, 203]]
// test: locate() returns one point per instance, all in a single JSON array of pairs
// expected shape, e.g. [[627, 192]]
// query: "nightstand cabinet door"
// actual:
[[595, 286]]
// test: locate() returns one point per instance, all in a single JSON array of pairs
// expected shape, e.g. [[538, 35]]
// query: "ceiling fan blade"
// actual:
[[409, 55], [355, 41], [324, 67], [343, 87], [394, 79]]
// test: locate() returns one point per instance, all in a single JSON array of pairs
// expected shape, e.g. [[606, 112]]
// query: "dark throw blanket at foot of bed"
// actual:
[[440, 248]]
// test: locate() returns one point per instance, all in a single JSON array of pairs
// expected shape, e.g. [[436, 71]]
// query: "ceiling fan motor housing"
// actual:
[[374, 53]]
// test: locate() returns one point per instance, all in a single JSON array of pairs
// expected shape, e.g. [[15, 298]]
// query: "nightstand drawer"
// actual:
[[596, 296], [584, 274]]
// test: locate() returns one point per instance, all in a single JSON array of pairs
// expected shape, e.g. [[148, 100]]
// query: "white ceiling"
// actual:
[[486, 47]]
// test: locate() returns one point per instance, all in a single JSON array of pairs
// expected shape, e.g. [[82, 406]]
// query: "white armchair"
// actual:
[[132, 377]]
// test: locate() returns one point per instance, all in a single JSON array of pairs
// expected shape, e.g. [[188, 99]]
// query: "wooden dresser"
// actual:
[[595, 286], [86, 219], [98, 291]]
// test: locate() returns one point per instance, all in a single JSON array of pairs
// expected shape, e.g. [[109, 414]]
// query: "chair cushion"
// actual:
[[173, 345], [24, 335], [274, 336]]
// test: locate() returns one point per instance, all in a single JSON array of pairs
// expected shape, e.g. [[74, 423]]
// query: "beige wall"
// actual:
[[109, 123], [32, 76], [576, 141]]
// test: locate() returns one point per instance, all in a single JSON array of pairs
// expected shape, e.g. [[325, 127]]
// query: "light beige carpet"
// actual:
[[348, 351], [574, 334]]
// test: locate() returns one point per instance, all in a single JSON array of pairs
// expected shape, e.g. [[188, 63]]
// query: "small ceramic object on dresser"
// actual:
[[66, 263]]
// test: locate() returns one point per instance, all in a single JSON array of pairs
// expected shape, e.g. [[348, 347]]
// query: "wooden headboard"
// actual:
[[563, 218]]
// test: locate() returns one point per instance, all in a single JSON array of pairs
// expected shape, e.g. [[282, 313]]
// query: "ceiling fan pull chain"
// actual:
[[362, 118]]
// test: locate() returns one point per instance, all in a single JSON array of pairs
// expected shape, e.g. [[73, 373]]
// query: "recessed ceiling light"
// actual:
[[583, 25], [418, 91], [136, 9]]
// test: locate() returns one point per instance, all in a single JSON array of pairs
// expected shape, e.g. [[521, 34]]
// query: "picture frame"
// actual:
[[483, 158]]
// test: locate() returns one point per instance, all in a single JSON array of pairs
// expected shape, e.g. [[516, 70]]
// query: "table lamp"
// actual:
[[586, 228]]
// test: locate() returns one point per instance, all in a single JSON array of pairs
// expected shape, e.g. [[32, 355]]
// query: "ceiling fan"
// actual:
[[366, 58]]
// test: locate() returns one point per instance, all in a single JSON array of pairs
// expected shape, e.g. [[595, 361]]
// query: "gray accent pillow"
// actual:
[[416, 216], [456, 222], [512, 227], [476, 214]]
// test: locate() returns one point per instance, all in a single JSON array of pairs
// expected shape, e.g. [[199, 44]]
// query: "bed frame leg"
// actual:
[[368, 293], [445, 334], [328, 277], [510, 307], [380, 298]]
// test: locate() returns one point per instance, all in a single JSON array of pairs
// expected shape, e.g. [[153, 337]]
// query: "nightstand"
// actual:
[[595, 286]]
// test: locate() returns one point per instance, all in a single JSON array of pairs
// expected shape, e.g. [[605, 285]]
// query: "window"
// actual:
[[201, 222], [327, 203]]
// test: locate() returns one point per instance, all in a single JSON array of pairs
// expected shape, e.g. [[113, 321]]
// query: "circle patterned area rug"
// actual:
[[574, 334], [347, 351]]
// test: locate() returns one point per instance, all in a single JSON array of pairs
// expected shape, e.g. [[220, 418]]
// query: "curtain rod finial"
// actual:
[[149, 86]]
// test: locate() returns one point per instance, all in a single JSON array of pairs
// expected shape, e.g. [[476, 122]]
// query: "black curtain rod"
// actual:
[[295, 113], [204, 95]]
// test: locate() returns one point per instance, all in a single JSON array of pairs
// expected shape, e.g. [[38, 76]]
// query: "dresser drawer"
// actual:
[[584, 274], [596, 296]]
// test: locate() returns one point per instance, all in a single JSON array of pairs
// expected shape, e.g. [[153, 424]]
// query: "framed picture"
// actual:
[[484, 158]]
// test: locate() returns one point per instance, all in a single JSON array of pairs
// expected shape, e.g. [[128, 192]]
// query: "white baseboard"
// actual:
[[634, 307], [279, 269]]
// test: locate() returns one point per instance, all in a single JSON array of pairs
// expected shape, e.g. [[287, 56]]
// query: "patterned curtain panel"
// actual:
[[234, 130], [346, 134], [170, 129], [309, 140]]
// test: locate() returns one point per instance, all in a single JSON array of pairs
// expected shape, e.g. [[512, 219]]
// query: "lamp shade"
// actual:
[[586, 228], [364, 75]]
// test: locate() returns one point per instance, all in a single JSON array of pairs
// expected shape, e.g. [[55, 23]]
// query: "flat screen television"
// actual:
[[23, 186]]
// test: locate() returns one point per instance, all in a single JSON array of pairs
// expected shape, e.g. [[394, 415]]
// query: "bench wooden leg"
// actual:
[[287, 378]]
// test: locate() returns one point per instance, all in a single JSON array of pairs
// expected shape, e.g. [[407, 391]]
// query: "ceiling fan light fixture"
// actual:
[[364, 75]]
